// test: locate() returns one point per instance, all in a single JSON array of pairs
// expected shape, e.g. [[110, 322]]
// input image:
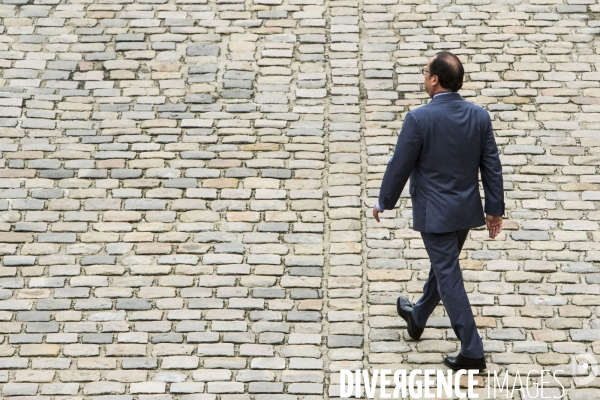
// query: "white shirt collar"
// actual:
[[437, 94]]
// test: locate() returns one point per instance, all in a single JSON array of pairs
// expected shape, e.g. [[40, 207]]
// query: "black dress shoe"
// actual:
[[461, 362], [405, 311]]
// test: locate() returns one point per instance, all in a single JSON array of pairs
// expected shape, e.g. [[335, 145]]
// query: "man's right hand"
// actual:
[[494, 225]]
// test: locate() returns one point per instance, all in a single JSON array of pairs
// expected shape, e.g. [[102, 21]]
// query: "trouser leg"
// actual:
[[428, 301], [431, 297], [443, 251]]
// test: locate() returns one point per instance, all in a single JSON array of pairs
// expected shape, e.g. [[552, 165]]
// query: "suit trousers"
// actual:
[[445, 283]]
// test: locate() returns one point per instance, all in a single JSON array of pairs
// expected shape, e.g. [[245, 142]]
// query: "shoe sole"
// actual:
[[480, 368]]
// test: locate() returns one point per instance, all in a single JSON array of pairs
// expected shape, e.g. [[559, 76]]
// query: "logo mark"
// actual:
[[584, 368]]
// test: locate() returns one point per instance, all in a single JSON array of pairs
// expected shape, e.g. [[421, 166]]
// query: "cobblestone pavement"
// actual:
[[186, 193]]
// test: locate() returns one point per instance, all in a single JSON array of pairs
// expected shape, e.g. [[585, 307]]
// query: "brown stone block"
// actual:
[[122, 74], [344, 282], [478, 381], [166, 75], [28, 350], [141, 183], [101, 14], [521, 76], [576, 187], [127, 376], [40, 249], [34, 376], [357, 305], [261, 147], [389, 275], [14, 237], [79, 376], [97, 363], [267, 31], [553, 359], [121, 216], [86, 66], [218, 163], [159, 123], [17, 173], [7, 351], [485, 322], [138, 237], [474, 265], [549, 335], [24, 155], [516, 100], [121, 131], [113, 163], [11, 132], [586, 100], [166, 67], [95, 237], [574, 311], [247, 216], [519, 29], [567, 151], [33, 294], [220, 183], [126, 349], [314, 305]]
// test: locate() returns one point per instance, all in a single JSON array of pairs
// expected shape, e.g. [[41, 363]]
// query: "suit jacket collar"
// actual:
[[448, 96]]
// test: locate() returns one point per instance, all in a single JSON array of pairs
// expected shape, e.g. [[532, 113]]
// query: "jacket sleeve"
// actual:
[[401, 164], [491, 174]]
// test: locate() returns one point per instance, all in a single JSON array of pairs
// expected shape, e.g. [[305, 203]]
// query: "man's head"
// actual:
[[444, 73]]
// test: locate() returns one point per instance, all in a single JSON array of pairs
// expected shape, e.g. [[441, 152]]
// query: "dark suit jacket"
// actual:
[[442, 146]]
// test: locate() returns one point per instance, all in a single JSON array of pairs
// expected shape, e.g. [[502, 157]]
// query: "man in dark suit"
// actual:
[[442, 147]]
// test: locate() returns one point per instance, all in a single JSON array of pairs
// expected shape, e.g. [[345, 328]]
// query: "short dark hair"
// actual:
[[448, 69]]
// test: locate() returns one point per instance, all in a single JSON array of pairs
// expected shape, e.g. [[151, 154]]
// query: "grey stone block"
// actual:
[[133, 304], [57, 238], [202, 49], [336, 341]]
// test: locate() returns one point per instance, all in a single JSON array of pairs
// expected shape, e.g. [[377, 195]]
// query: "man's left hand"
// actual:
[[376, 213]]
